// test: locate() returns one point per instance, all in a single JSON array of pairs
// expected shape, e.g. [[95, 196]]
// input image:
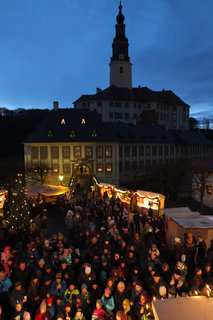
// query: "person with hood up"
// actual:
[[127, 310], [18, 313], [71, 293], [43, 314]]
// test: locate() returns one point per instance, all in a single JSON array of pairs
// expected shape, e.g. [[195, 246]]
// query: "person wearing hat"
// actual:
[[67, 272], [79, 314], [140, 307], [50, 307], [155, 284], [96, 292], [18, 294], [86, 276], [136, 292], [33, 294], [127, 310], [102, 314], [120, 315], [178, 282], [59, 303], [67, 311], [86, 301], [201, 250], [58, 286]]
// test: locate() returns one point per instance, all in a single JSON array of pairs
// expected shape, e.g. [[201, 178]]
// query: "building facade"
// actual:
[[107, 129]]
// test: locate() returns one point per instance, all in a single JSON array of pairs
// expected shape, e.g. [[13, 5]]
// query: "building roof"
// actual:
[[200, 222], [140, 94]]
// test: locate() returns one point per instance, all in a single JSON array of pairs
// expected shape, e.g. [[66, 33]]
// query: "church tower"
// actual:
[[120, 65]]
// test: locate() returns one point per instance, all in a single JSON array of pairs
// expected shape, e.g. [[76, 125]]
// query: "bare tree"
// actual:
[[38, 175]]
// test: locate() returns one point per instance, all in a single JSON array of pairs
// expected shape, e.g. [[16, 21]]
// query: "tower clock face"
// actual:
[[121, 56]]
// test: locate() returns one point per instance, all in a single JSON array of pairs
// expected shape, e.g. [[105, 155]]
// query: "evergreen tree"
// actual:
[[19, 215]]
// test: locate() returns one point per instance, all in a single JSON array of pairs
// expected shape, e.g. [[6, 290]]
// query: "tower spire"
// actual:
[[120, 58]]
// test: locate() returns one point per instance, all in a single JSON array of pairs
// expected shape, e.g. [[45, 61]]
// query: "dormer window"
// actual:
[[94, 133], [72, 134], [63, 121], [83, 121], [50, 133]]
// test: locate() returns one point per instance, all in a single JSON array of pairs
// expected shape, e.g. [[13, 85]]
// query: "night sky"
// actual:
[[60, 49]]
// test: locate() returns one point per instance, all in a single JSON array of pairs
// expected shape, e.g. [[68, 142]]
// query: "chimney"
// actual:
[[55, 105], [98, 90]]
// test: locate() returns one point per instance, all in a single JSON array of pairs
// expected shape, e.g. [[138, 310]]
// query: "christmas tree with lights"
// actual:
[[19, 215]]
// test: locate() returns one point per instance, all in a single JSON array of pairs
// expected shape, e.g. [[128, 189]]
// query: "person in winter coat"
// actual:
[[71, 293], [136, 292], [102, 314], [79, 314], [86, 301], [201, 251], [58, 286], [120, 295], [22, 274], [43, 314], [197, 281], [127, 310], [33, 294], [50, 307], [67, 311], [18, 294], [6, 254], [108, 301], [18, 313], [45, 289], [140, 307], [86, 276], [5, 285], [120, 315]]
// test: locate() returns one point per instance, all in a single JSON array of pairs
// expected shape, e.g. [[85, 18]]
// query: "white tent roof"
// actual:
[[46, 190], [200, 222], [195, 308], [182, 212]]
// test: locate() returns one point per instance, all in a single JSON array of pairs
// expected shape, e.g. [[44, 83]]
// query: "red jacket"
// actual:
[[43, 316]]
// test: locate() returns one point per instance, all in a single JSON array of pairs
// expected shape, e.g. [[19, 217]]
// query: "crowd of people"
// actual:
[[110, 264]]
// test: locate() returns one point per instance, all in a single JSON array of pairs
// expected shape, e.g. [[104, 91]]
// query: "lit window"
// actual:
[[66, 168], [66, 152], [209, 189], [100, 167], [63, 121], [88, 152], [108, 167], [50, 133], [83, 121], [108, 151], [99, 152], [77, 152], [94, 133], [55, 168], [34, 152], [72, 134]]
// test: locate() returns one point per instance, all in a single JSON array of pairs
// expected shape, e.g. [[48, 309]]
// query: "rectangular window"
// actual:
[[100, 167], [126, 116], [209, 189], [77, 152], [43, 153], [66, 152], [55, 168], [127, 105], [111, 115], [108, 167], [118, 104], [120, 151], [34, 152], [160, 150], [118, 115], [154, 151], [99, 152], [166, 150], [134, 151], [141, 151], [172, 150], [88, 152], [127, 165], [135, 105], [127, 151], [54, 152], [99, 104], [108, 151], [66, 168], [148, 151], [111, 103]]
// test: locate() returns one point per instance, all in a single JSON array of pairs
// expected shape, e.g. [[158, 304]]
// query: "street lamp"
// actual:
[[61, 178]]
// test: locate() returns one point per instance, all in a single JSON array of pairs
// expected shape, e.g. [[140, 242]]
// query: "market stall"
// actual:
[[3, 194], [124, 195], [150, 200], [106, 189]]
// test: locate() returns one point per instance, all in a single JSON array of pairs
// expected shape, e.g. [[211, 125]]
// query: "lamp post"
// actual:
[[61, 178]]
